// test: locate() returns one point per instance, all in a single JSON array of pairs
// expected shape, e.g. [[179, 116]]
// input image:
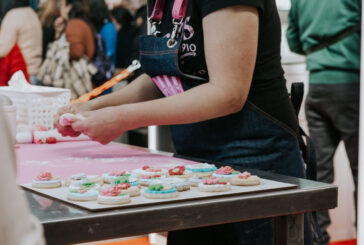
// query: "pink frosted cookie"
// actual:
[[225, 173], [68, 118], [126, 188], [112, 195], [46, 180], [213, 185], [147, 170], [245, 179], [180, 172]]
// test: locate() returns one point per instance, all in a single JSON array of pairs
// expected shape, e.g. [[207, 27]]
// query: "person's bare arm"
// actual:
[[231, 37], [139, 90]]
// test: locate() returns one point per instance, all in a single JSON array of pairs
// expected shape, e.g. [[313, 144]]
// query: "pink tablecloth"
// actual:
[[67, 158]]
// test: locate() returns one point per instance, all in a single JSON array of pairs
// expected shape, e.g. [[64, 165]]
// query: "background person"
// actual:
[[20, 25], [332, 103]]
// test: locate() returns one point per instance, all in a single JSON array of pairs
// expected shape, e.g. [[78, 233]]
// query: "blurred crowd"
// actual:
[[82, 32]]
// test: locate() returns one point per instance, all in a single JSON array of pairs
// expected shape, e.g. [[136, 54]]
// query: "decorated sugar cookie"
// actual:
[[115, 175], [180, 172], [245, 179], [212, 184], [82, 195], [147, 170], [46, 180], [225, 173], [112, 195], [160, 191], [202, 169]]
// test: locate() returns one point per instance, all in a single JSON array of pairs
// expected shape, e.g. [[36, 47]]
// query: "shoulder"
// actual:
[[78, 26]]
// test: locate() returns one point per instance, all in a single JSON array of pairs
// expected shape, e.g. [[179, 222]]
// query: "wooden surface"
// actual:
[[61, 195]]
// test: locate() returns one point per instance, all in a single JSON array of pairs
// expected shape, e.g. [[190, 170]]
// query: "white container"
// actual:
[[10, 115], [38, 104]]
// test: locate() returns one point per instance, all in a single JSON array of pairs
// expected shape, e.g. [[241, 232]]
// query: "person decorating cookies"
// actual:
[[212, 72]]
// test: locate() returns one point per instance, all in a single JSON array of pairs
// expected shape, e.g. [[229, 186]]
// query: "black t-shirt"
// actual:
[[268, 90]]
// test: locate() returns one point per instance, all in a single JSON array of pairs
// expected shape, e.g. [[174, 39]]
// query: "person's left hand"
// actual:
[[101, 125]]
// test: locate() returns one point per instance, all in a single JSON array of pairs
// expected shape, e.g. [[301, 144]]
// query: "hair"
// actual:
[[123, 17], [100, 14], [7, 5], [48, 12], [80, 10]]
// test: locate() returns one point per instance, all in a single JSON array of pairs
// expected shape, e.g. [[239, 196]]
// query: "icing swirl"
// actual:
[[244, 175], [225, 170], [44, 176], [111, 191]]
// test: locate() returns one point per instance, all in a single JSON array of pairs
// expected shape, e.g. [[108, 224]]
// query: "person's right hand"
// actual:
[[71, 108]]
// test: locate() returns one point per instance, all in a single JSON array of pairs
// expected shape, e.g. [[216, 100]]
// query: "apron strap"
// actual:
[[157, 13], [178, 11]]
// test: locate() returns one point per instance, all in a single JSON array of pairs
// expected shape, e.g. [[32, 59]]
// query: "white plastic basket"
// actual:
[[38, 105]]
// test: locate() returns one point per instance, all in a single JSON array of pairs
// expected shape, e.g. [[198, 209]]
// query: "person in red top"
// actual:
[[12, 63]]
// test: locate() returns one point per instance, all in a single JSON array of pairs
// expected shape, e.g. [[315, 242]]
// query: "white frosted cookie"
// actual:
[[147, 170], [147, 179], [213, 185], [84, 184], [46, 180], [180, 172], [112, 195], [224, 174], [160, 191], [115, 175], [68, 118], [82, 195], [245, 179], [201, 169], [81, 176], [178, 183]]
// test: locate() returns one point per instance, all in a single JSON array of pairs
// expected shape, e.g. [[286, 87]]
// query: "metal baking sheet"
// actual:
[[193, 194]]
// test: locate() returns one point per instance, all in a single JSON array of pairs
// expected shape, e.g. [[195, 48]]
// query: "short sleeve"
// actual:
[[209, 6]]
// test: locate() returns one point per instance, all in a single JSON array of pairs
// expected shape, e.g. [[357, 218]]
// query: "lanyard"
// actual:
[[178, 11]]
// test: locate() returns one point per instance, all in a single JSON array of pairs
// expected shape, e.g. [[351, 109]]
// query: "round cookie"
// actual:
[[114, 175], [213, 185], [180, 172], [160, 191], [147, 170], [201, 169], [82, 195], [224, 174], [46, 180], [113, 196], [245, 179]]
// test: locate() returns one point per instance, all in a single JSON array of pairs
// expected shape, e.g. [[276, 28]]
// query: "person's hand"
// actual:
[[102, 125], [71, 108], [59, 25]]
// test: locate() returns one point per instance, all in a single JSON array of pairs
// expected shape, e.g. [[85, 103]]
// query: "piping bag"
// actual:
[[97, 91]]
